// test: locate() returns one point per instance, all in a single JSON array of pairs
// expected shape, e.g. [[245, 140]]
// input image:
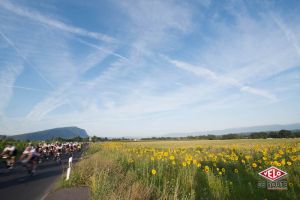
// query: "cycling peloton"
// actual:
[[34, 154]]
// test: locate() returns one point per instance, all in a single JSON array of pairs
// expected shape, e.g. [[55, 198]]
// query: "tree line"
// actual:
[[255, 135]]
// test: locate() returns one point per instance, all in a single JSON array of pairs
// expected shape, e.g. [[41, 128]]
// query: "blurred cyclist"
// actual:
[[9, 154], [29, 158]]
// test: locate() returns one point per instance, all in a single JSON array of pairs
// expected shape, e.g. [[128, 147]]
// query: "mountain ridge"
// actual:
[[62, 132]]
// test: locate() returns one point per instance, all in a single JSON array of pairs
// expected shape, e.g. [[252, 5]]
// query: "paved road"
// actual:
[[18, 185]]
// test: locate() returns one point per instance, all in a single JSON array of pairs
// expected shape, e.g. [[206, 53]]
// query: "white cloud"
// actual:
[[259, 92], [287, 32], [157, 16], [8, 76], [224, 80], [251, 48], [153, 31], [54, 100]]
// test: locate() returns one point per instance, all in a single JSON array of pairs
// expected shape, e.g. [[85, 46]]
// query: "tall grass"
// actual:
[[106, 178]]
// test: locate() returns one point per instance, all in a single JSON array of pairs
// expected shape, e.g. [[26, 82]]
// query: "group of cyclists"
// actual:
[[38, 153]]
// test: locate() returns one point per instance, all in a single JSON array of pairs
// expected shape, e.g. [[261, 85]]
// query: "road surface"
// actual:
[[18, 185]]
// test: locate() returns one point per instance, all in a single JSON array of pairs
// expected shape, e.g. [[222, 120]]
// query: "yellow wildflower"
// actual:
[[281, 152], [265, 158], [153, 171], [206, 169], [247, 157], [294, 158]]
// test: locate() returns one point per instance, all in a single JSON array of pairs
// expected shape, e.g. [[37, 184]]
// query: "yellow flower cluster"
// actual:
[[219, 160]]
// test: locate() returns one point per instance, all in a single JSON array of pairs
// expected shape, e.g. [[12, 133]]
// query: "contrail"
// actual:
[[26, 88], [32, 66], [101, 49], [210, 75], [25, 59], [33, 15], [290, 36]]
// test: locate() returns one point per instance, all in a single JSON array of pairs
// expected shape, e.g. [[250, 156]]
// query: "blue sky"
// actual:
[[148, 68]]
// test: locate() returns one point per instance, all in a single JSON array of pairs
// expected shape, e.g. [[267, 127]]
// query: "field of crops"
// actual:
[[204, 169]]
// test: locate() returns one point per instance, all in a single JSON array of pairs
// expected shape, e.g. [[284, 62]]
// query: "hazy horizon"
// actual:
[[145, 68], [266, 127]]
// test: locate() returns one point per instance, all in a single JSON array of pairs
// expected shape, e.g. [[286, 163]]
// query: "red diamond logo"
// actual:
[[272, 173]]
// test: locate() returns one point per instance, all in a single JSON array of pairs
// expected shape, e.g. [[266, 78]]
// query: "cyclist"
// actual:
[[9, 154], [29, 158], [58, 152]]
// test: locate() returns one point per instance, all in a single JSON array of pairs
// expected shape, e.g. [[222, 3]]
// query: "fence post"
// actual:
[[69, 168]]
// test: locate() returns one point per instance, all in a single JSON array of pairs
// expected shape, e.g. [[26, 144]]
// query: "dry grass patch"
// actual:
[[107, 180]]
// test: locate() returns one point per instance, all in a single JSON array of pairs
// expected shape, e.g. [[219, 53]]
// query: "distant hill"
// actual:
[[65, 132], [245, 130]]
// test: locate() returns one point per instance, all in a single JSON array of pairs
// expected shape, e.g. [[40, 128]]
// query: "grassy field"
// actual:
[[204, 169]]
